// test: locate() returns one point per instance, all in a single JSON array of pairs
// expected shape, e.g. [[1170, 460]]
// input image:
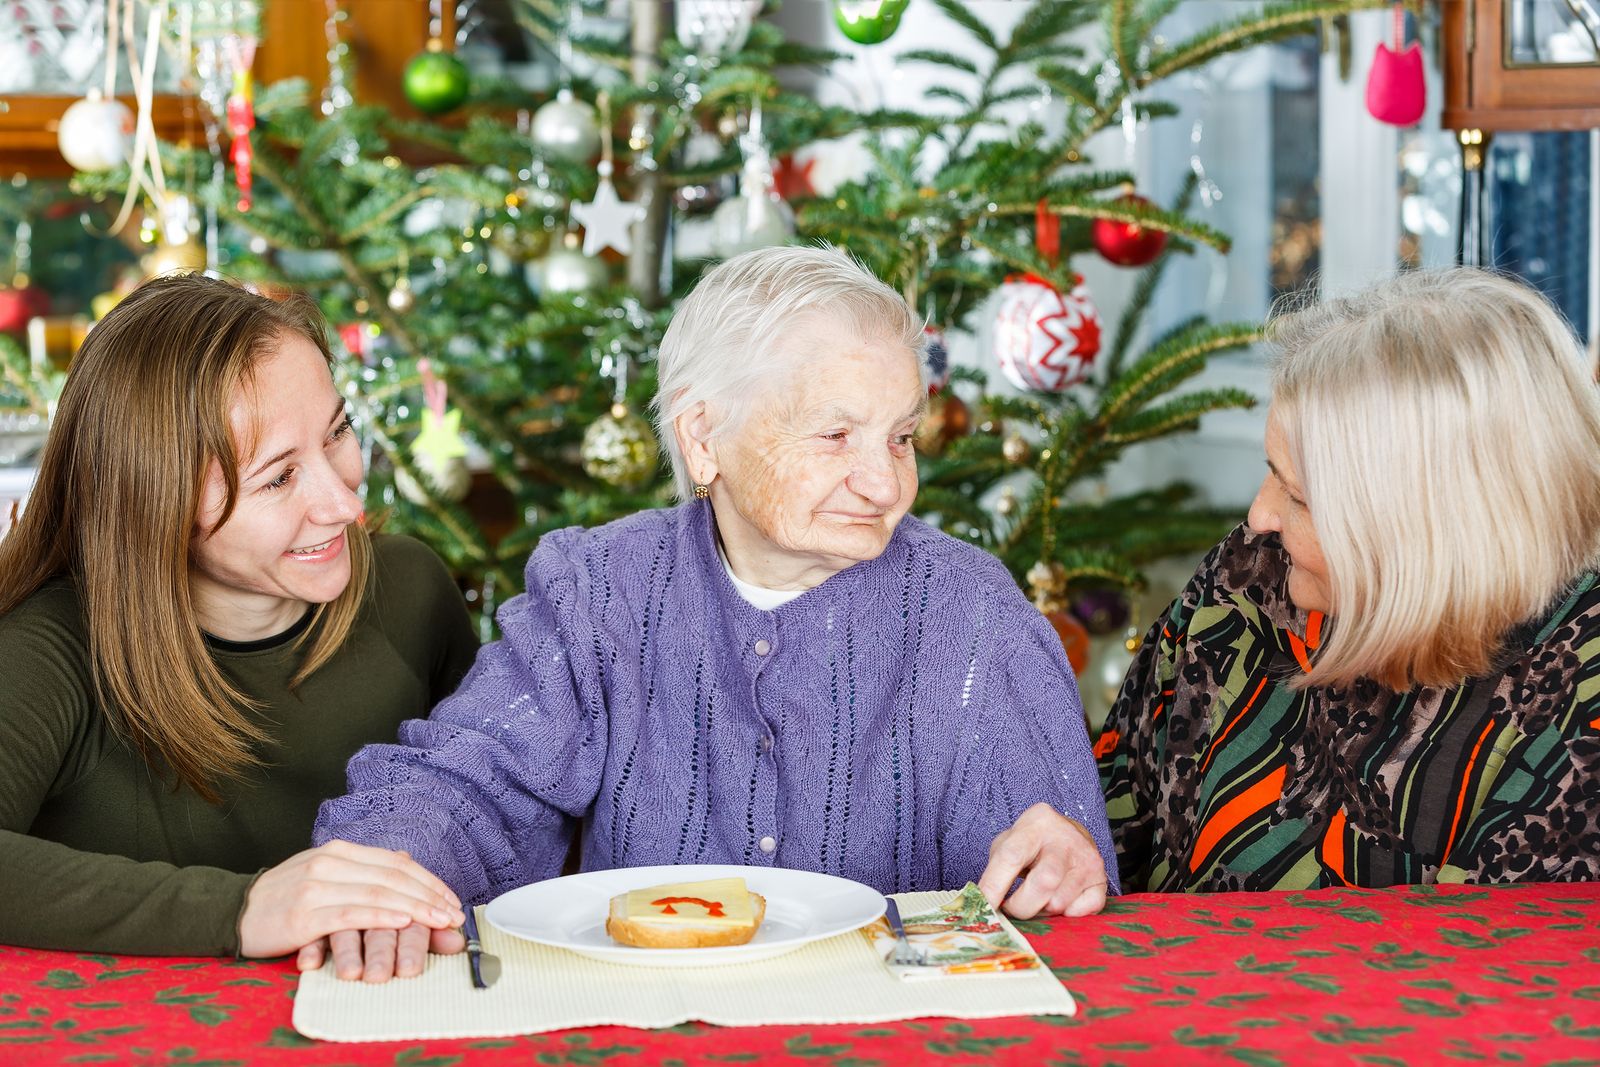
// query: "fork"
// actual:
[[904, 955]]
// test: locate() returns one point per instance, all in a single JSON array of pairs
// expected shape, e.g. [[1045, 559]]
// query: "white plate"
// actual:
[[570, 912]]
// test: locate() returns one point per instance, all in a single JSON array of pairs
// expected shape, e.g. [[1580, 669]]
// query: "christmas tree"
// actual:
[[448, 254]]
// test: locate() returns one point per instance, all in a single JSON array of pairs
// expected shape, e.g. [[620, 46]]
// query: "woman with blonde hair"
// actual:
[[196, 633], [1390, 674]]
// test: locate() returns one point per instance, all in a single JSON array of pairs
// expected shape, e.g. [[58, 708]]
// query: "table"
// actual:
[[1416, 974]]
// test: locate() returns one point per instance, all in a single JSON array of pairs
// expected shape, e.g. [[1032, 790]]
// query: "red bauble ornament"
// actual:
[[1045, 339], [17, 306], [354, 337], [1124, 243], [1074, 638]]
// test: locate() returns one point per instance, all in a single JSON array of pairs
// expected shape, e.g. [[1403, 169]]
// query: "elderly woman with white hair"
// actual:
[[1391, 675], [784, 670]]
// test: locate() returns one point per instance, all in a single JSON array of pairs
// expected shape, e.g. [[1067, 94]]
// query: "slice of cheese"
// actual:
[[718, 902]]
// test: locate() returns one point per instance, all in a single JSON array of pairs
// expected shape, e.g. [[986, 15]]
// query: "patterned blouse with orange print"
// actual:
[[1219, 776]]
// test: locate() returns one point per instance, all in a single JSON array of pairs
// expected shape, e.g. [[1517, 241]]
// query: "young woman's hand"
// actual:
[[341, 886]]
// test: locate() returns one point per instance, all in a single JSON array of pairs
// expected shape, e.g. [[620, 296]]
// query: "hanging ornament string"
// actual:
[[112, 43], [241, 52], [607, 220], [619, 448], [619, 392], [209, 69], [1130, 132], [565, 127], [1210, 192], [564, 45], [95, 134], [1396, 85], [1130, 114], [1047, 233], [435, 394], [758, 216], [336, 95], [146, 149]]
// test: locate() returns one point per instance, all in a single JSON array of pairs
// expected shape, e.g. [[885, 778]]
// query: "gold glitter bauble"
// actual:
[[402, 297], [185, 258], [521, 241], [620, 449], [1016, 449]]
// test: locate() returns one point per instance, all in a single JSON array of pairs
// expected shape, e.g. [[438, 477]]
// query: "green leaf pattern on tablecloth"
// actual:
[[1405, 976]]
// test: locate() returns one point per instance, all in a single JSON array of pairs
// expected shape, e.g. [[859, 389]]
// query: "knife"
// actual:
[[485, 966]]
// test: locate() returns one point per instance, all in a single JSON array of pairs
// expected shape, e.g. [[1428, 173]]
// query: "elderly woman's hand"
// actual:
[[1065, 873], [378, 955]]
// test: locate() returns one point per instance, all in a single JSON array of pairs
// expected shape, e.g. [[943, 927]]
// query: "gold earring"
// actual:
[[702, 492]]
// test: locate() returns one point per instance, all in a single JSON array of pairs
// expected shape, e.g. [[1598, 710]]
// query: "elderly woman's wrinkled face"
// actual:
[[824, 470], [1280, 508]]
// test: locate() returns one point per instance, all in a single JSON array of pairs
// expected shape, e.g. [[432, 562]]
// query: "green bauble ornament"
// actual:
[[620, 449], [436, 80], [869, 21]]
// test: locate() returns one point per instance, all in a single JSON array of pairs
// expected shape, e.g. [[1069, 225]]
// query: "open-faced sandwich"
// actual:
[[687, 915]]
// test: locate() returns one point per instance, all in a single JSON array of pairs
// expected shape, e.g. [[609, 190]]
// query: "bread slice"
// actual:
[[681, 929]]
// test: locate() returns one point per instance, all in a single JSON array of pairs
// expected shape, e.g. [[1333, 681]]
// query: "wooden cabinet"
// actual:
[[383, 36], [1520, 65]]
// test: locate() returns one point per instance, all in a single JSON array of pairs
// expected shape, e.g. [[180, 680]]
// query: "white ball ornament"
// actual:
[[745, 222], [451, 481], [566, 271], [96, 133], [715, 27], [1044, 339], [567, 128]]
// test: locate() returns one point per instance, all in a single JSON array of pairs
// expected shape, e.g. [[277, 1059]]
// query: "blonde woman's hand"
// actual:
[[378, 955], [1065, 873], [341, 886]]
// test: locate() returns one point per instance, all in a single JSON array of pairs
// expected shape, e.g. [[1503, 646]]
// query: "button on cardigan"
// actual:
[[884, 726]]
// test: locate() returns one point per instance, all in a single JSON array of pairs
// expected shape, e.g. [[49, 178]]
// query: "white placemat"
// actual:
[[840, 980]]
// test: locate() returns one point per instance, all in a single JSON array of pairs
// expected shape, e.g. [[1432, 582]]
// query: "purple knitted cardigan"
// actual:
[[883, 726]]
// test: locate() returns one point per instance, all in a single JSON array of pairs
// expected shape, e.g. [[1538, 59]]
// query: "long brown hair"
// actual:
[[144, 413]]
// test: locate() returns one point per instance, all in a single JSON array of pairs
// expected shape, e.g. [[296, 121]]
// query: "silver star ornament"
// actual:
[[607, 220]]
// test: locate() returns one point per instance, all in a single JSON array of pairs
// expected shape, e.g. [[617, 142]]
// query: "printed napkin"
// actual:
[[963, 936]]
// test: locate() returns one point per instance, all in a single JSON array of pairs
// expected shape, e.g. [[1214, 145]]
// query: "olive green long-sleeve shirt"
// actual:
[[98, 852]]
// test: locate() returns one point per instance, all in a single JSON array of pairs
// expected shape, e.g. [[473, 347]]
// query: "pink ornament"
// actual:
[[1045, 339], [1397, 92]]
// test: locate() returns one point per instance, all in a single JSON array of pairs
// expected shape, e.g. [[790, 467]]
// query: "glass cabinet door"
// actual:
[[1546, 33]]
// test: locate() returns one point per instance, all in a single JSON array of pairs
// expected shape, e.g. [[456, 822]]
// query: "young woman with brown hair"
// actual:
[[196, 632]]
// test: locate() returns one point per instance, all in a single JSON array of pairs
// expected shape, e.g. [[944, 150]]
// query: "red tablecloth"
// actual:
[[1412, 975]]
